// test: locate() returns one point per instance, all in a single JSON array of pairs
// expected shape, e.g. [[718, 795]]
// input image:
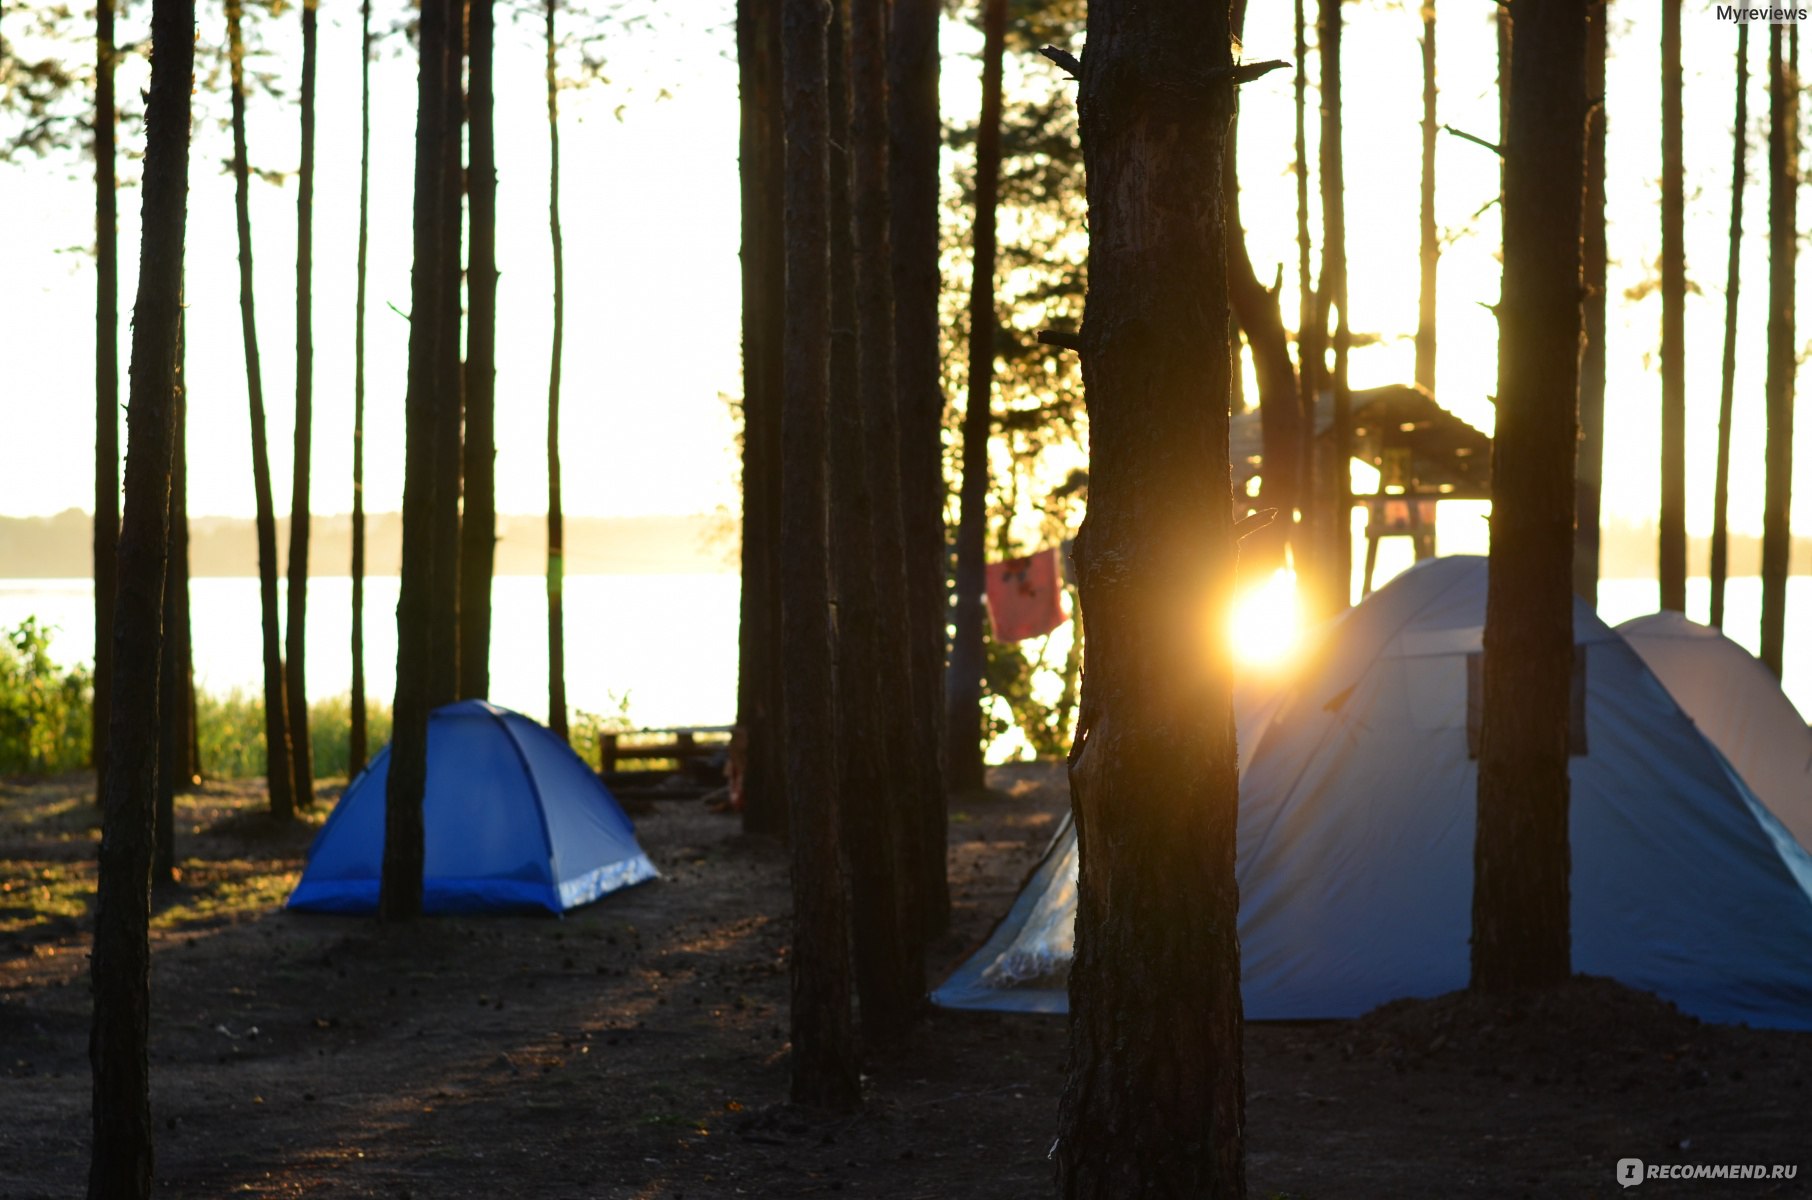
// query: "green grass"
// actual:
[[45, 710], [44, 707], [231, 731]]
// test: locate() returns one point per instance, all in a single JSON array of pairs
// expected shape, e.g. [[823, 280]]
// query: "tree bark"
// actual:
[[1720, 516], [968, 652], [296, 635], [357, 739], [478, 527], [1334, 292], [1590, 471], [758, 702], [1783, 255], [278, 771], [1154, 1102], [880, 777], [1311, 360], [120, 1156], [106, 384], [1673, 317], [1259, 312], [400, 891], [825, 1065], [1520, 925], [1430, 256], [912, 91], [172, 701], [556, 525], [443, 600]]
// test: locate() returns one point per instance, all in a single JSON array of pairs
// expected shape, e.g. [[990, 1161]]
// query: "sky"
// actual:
[[650, 203]]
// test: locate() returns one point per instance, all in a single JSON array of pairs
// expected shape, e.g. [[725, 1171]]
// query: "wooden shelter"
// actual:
[[1423, 454]]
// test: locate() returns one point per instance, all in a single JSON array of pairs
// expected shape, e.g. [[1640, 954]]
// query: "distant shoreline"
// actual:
[[699, 544], [59, 547]]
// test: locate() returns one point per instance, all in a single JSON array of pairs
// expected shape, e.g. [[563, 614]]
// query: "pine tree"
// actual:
[[825, 1066], [1720, 518], [478, 525], [758, 702], [427, 399], [556, 524], [1154, 1102], [106, 381], [912, 97], [1430, 256], [1673, 317], [1521, 934], [357, 739], [296, 635], [120, 1155], [278, 771], [1590, 472], [1783, 261]]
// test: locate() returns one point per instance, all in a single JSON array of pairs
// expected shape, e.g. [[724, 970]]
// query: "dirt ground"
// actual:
[[637, 1048]]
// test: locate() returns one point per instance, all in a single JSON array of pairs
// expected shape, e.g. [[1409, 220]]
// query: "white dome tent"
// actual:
[[1356, 838], [1738, 705]]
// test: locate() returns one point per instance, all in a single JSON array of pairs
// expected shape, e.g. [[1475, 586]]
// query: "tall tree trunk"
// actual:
[[188, 742], [296, 635], [1720, 515], [1334, 293], [758, 702], [119, 1165], [1311, 361], [478, 528], [877, 770], [278, 771], [1154, 1103], [400, 892], [1259, 313], [968, 651], [1430, 256], [106, 384], [1673, 317], [1590, 472], [912, 97], [1520, 926], [825, 1065], [357, 739], [1783, 254], [556, 525], [443, 600], [172, 701]]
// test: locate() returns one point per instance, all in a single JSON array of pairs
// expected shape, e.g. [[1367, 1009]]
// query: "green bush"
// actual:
[[330, 732], [232, 733], [44, 717], [44, 708]]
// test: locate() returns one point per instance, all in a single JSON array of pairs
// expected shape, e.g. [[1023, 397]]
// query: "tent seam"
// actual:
[[547, 838]]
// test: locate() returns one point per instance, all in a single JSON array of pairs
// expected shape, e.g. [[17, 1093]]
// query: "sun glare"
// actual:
[[1266, 624]]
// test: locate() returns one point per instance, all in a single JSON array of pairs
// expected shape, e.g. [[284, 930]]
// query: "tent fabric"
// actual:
[[1356, 830], [1738, 705], [513, 821], [1025, 596]]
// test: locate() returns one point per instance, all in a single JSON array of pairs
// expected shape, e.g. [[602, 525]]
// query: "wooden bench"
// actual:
[[691, 749]]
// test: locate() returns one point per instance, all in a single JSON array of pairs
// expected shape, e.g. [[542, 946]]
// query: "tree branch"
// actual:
[[1058, 338], [1247, 72], [1475, 140], [1071, 65]]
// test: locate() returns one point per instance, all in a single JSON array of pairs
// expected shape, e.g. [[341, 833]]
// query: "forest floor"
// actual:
[[637, 1048]]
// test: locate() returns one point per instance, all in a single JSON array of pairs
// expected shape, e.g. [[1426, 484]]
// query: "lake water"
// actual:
[[666, 642]]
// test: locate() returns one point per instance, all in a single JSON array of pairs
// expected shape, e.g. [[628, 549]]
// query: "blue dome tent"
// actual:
[[514, 821], [1358, 795]]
